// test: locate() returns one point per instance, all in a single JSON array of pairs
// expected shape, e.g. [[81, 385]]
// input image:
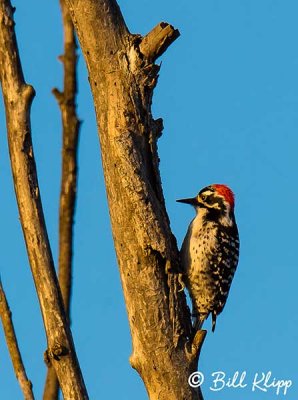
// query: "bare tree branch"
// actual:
[[13, 347], [70, 124], [17, 98], [156, 42], [122, 77]]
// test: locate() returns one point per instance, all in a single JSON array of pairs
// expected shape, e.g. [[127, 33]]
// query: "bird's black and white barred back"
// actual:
[[210, 250]]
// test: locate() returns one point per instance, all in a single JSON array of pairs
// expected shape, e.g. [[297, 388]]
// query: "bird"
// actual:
[[210, 251]]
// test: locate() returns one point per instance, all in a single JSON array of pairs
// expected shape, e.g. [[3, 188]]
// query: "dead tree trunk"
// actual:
[[123, 75]]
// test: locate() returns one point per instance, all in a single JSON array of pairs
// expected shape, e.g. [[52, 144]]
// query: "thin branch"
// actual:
[[70, 124], [18, 98], [13, 347]]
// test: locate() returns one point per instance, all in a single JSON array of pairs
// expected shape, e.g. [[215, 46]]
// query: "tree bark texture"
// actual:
[[70, 125], [13, 348], [17, 98], [123, 75]]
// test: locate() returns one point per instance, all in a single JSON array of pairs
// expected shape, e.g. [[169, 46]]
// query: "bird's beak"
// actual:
[[192, 201]]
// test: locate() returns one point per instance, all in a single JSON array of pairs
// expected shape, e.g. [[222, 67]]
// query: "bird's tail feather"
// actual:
[[198, 320], [213, 321]]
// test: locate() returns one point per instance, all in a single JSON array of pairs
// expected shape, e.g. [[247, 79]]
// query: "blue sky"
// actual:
[[228, 94]]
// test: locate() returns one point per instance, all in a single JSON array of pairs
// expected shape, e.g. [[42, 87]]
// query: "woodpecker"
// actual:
[[210, 251]]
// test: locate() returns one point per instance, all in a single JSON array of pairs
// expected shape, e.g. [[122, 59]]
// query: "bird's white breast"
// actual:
[[200, 241], [196, 257]]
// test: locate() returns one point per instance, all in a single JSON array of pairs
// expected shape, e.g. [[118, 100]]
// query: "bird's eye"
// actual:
[[204, 197]]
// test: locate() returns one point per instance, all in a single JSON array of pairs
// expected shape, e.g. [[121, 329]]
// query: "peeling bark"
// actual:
[[122, 76]]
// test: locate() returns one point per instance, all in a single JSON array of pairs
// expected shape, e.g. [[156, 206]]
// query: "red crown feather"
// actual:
[[226, 192]]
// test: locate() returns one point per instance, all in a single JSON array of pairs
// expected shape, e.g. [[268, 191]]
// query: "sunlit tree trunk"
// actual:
[[122, 75]]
